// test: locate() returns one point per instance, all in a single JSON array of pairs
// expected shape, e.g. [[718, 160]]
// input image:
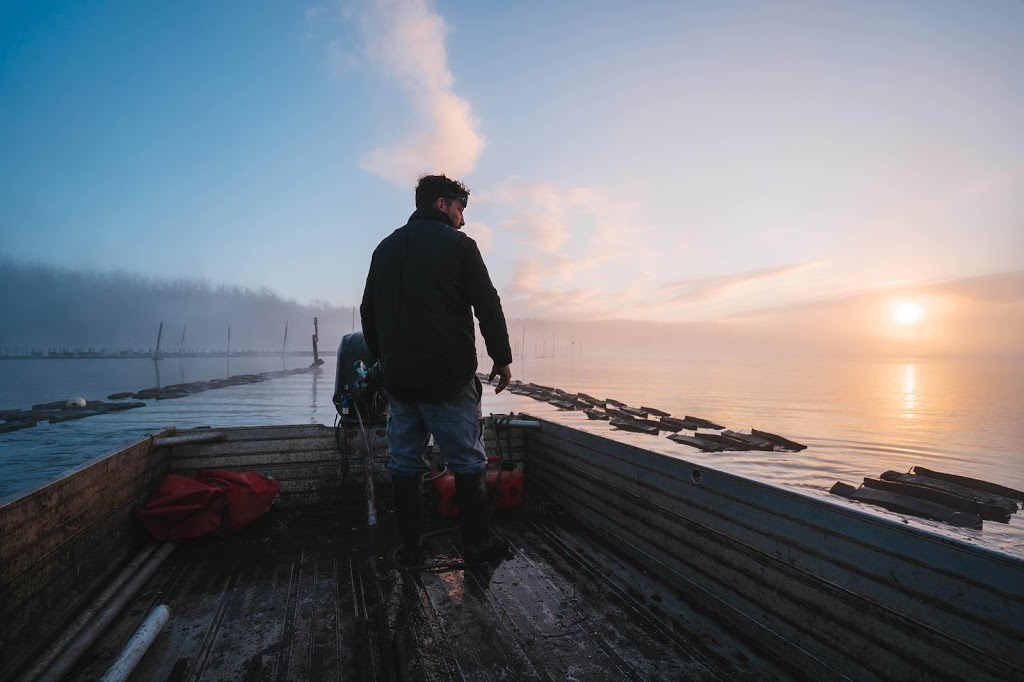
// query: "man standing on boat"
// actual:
[[425, 282]]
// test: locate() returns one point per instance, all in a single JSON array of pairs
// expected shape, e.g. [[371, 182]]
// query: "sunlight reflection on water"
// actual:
[[909, 393], [858, 418]]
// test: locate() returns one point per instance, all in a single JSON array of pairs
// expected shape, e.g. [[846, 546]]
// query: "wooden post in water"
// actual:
[[284, 346], [229, 340], [156, 354], [316, 355], [522, 355], [181, 346]]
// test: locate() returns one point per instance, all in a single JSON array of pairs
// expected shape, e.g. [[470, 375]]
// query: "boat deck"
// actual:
[[311, 593]]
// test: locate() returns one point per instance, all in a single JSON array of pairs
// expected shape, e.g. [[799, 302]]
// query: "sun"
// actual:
[[907, 313]]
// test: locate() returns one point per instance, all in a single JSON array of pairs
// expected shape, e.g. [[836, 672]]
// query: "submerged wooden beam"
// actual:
[[905, 504], [703, 423], [988, 512], [974, 483], [782, 441], [681, 423], [618, 414], [634, 412], [666, 424], [953, 488], [16, 425], [729, 442], [634, 426], [696, 442], [755, 442]]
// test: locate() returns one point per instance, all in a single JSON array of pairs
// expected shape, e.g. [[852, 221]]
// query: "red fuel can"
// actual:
[[509, 494]]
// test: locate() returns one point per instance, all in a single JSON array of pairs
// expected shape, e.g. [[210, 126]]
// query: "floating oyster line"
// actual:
[[950, 498]]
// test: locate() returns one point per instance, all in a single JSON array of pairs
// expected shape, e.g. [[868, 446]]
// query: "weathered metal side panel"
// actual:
[[306, 459], [59, 542], [828, 589]]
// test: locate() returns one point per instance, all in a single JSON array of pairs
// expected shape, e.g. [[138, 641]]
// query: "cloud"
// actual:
[[978, 316], [406, 40], [552, 222], [533, 272], [563, 242], [527, 276], [997, 288], [579, 303], [715, 288], [540, 222], [483, 235], [540, 219]]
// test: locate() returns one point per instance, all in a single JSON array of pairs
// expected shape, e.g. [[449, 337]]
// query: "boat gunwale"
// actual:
[[832, 506]]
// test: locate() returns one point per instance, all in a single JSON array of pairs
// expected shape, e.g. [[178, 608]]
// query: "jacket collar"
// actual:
[[431, 214]]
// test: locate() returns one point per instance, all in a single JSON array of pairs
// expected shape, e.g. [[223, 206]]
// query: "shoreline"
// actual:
[[140, 355]]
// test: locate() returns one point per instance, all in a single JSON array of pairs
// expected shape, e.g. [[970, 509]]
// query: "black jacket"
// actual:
[[426, 279]]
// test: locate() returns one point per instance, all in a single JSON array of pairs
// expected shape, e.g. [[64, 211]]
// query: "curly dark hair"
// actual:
[[430, 188]]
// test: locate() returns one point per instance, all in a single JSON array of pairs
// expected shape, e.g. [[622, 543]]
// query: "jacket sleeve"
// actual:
[[482, 295], [367, 314]]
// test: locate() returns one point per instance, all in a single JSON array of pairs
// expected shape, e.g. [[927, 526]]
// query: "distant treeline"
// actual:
[[47, 306]]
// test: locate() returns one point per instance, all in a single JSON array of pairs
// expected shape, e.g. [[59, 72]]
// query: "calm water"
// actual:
[[858, 418]]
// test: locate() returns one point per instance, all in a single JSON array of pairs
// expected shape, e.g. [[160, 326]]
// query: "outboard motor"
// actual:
[[358, 388]]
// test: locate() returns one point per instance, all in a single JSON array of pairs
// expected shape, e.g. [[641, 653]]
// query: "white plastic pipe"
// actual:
[[72, 631], [85, 639], [519, 423], [189, 439], [137, 646]]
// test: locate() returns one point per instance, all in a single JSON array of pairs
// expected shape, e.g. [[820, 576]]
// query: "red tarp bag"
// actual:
[[247, 495], [182, 507], [210, 501]]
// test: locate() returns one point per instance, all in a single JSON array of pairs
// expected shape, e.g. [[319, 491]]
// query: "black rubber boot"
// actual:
[[479, 545], [408, 510]]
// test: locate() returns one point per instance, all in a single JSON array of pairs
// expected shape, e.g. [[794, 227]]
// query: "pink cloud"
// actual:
[[407, 41], [713, 288], [483, 235], [568, 240]]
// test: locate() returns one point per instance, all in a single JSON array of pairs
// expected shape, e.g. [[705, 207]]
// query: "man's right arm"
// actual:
[[504, 374], [367, 316], [482, 295]]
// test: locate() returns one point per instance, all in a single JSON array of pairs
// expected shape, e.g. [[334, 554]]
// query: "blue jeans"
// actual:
[[457, 427]]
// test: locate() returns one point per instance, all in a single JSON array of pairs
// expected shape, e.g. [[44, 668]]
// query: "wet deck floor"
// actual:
[[311, 594]]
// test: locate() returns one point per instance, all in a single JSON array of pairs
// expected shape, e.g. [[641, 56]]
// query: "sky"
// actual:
[[655, 161]]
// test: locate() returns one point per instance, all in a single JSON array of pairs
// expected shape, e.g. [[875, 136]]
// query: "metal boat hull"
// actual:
[[825, 589]]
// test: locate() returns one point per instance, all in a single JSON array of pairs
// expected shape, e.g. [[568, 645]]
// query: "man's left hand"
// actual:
[[504, 374]]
